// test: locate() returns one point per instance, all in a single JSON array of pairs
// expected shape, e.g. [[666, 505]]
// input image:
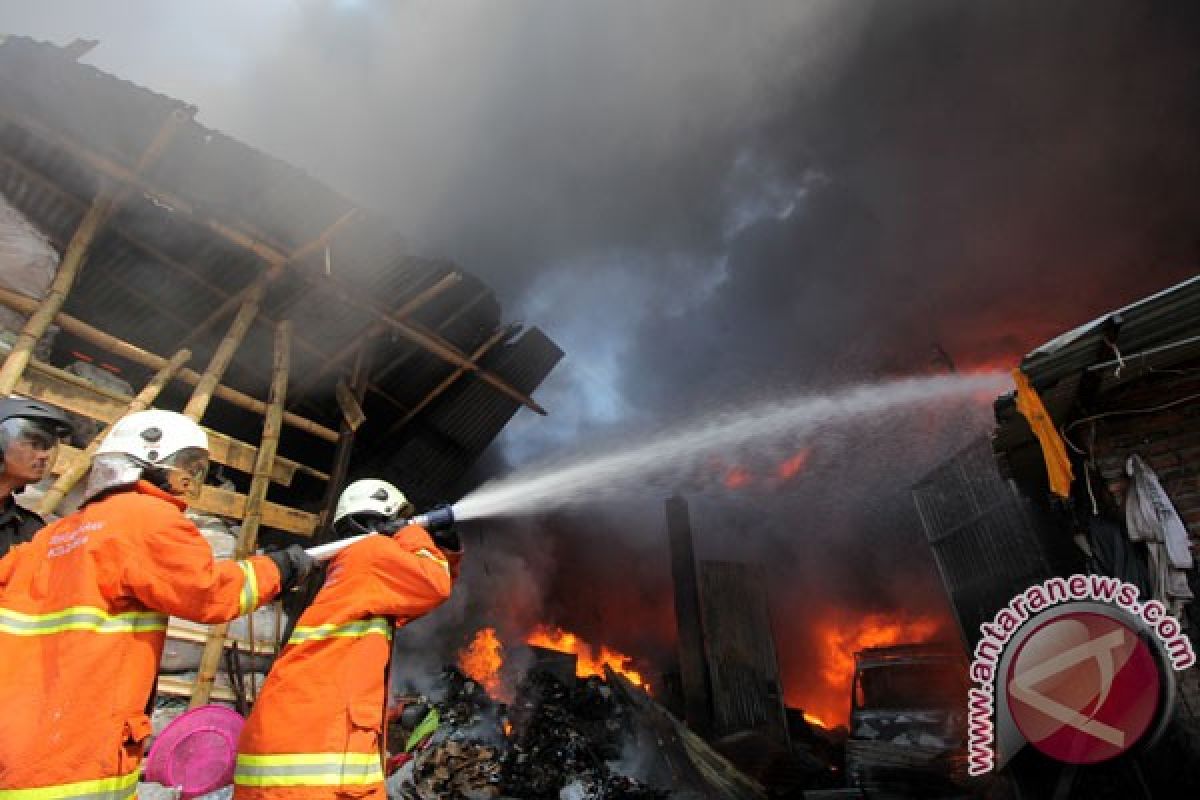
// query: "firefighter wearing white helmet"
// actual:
[[84, 608], [165, 448], [370, 497]]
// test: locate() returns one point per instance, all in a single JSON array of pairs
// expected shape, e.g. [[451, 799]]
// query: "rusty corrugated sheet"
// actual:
[[982, 534], [740, 645]]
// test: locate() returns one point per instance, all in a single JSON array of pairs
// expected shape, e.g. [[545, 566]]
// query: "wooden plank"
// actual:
[[225, 503], [352, 412], [198, 636], [72, 393], [174, 686]]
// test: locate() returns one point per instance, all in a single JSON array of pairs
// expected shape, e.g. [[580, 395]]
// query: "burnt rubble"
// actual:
[[558, 739]]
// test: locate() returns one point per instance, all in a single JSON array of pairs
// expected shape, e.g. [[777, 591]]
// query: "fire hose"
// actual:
[[437, 519]]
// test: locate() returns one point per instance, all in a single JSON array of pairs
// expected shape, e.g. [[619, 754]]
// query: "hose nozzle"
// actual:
[[437, 519]]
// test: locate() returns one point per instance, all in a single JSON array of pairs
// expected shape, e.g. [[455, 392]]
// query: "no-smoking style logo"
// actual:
[[1083, 687]]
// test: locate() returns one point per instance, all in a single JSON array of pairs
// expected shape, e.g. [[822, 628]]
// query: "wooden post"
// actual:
[[359, 379], [202, 395], [145, 398], [107, 199], [137, 355], [255, 498]]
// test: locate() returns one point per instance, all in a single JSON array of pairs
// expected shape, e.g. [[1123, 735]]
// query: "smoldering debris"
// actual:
[[559, 738]]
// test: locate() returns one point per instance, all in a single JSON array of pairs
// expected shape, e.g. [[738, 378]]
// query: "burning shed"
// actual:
[[143, 253]]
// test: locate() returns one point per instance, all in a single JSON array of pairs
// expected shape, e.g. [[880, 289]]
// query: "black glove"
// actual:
[[447, 539], [294, 565]]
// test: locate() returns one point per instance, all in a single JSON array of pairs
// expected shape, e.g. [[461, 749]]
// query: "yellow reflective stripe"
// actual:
[[424, 553], [119, 788], [308, 769], [249, 599], [80, 618], [333, 630]]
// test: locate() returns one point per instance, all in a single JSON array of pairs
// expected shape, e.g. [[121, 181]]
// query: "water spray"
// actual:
[[611, 475], [438, 518]]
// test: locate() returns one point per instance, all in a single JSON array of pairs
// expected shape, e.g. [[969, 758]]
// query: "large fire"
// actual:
[[588, 662], [824, 694], [482, 659]]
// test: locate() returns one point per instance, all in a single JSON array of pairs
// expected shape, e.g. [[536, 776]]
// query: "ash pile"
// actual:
[[563, 738]]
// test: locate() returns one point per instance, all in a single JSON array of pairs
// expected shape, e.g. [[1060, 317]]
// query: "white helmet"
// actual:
[[372, 496], [145, 439]]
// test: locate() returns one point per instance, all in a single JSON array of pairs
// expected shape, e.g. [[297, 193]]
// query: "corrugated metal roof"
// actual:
[[1111, 350], [156, 272]]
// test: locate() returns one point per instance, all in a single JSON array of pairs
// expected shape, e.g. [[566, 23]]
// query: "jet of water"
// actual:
[[593, 478]]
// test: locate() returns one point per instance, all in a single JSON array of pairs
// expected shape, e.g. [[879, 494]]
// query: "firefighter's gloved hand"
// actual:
[[447, 539], [294, 565]]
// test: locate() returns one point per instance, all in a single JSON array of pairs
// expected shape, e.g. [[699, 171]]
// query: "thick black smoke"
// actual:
[[708, 203]]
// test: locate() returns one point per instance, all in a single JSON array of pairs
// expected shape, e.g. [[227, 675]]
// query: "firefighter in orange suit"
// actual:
[[84, 605], [316, 729]]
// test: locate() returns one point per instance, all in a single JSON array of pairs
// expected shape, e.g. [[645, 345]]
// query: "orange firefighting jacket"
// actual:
[[315, 731], [83, 616]]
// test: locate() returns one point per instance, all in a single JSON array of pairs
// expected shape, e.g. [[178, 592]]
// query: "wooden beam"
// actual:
[[248, 535], [462, 310], [449, 380], [374, 330], [72, 393], [447, 352], [68, 479], [359, 379], [107, 199], [150, 360]]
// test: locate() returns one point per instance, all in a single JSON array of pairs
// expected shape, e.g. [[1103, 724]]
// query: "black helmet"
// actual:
[[24, 408]]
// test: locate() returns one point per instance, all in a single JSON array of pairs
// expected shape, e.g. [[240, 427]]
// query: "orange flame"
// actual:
[[813, 719], [793, 466], [827, 695], [482, 659], [587, 662]]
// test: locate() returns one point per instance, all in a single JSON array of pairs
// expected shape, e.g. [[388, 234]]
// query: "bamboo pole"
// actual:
[[137, 355], [255, 498], [203, 393], [107, 199], [145, 398]]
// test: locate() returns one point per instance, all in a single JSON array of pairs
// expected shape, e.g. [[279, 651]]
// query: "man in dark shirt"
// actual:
[[29, 435]]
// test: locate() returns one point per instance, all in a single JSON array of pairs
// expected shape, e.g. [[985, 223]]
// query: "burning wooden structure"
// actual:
[[312, 332]]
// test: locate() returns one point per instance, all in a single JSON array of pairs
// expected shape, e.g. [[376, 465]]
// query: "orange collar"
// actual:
[[145, 487]]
